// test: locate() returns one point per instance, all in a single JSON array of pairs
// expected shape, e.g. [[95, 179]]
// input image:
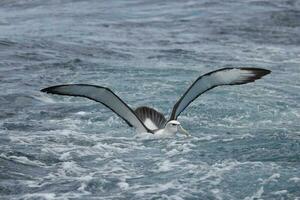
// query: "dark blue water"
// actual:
[[245, 140]]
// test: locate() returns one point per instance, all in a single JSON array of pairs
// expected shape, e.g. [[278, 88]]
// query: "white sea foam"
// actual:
[[65, 156], [22, 159], [258, 194], [280, 192], [295, 179], [82, 113], [123, 185], [83, 183], [214, 174], [46, 196], [70, 168], [154, 189]]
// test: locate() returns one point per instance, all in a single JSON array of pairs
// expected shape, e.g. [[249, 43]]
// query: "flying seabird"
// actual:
[[146, 119]]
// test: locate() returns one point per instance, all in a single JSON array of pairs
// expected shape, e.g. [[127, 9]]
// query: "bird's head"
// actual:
[[174, 126]]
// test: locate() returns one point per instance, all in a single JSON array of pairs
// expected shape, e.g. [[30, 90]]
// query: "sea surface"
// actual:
[[245, 141]]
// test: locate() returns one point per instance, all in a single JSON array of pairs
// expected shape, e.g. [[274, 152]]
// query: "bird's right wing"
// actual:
[[104, 96], [225, 76]]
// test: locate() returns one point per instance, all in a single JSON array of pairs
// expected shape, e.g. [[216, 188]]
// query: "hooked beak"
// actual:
[[183, 131]]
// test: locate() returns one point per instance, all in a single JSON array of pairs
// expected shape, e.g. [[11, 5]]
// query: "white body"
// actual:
[[171, 128]]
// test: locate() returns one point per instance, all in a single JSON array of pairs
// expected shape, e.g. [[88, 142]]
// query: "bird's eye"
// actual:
[[174, 124]]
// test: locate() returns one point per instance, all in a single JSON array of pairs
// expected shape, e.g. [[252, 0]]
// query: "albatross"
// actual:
[[149, 120]]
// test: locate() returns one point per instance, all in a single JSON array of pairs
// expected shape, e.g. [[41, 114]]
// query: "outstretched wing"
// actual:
[[225, 76], [104, 96]]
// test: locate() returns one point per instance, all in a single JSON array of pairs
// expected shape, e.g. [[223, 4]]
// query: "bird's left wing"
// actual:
[[104, 96], [225, 76]]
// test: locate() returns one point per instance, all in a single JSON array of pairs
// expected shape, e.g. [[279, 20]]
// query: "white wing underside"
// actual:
[[104, 96], [150, 124], [225, 76]]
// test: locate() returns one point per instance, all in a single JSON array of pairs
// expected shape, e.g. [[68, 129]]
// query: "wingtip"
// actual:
[[259, 71], [48, 89], [44, 90], [264, 72]]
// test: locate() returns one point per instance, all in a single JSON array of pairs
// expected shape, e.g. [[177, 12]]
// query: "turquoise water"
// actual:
[[245, 140]]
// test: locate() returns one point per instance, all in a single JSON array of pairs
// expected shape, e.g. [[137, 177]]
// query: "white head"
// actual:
[[174, 126]]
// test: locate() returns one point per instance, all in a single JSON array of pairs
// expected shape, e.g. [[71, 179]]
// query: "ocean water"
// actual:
[[245, 140]]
